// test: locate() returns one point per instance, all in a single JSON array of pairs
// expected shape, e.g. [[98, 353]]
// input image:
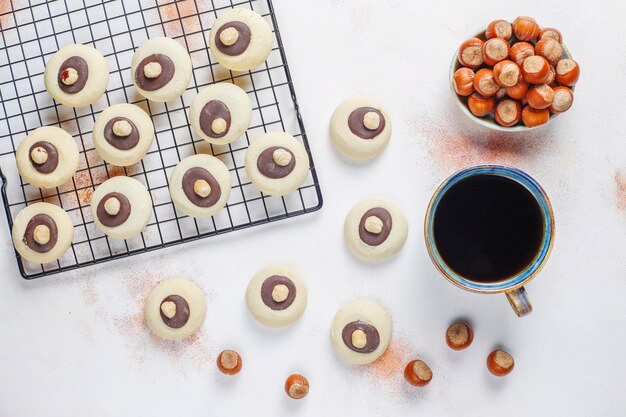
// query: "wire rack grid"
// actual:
[[32, 31]]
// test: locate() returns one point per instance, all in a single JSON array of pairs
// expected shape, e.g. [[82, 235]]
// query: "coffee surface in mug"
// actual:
[[488, 228]]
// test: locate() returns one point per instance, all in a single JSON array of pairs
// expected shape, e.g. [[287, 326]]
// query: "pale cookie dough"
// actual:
[[200, 185], [360, 128], [361, 332], [47, 157], [240, 39], [42, 232], [121, 207], [175, 309], [276, 163], [220, 113], [276, 296], [161, 69], [375, 229], [76, 75], [123, 134]]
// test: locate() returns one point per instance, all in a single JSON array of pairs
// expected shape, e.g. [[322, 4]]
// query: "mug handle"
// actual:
[[519, 301]]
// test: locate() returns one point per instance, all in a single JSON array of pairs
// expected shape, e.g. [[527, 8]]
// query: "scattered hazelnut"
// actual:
[[551, 33], [500, 363], [518, 91], [484, 83], [534, 117], [463, 81], [280, 293], [281, 157], [152, 70], [41, 234], [122, 128], [373, 224], [525, 28], [499, 29], [39, 155], [535, 70], [112, 206], [218, 126], [520, 51], [479, 105], [202, 188], [418, 373], [507, 73], [229, 362], [495, 50], [296, 386], [229, 36], [459, 335], [563, 99], [169, 309], [567, 72], [471, 53], [540, 96], [69, 76], [359, 339], [371, 120], [550, 49]]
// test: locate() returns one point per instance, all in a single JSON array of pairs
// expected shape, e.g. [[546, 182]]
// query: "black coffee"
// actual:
[[488, 228]]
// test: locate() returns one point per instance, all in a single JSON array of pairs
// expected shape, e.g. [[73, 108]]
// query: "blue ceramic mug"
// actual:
[[512, 286]]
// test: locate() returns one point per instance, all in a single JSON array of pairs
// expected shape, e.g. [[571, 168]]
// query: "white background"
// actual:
[[75, 345]]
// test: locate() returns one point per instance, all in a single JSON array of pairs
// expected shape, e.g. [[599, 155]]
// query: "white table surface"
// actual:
[[76, 345]]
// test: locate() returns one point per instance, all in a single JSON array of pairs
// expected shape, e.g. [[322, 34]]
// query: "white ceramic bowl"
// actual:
[[489, 121]]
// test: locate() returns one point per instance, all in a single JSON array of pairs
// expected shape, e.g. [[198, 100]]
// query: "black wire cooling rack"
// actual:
[[32, 31]]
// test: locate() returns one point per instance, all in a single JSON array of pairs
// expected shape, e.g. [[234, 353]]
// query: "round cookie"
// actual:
[[76, 75], [375, 229], [123, 134], [276, 296], [121, 207], [360, 128], [42, 232], [361, 332], [47, 157], [276, 163], [220, 113], [200, 185], [175, 309], [240, 39], [161, 69]]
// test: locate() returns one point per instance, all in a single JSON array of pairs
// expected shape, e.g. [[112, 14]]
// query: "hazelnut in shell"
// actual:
[[526, 28], [551, 33], [518, 91], [520, 51], [534, 117], [484, 83], [479, 105], [536, 70], [229, 362], [459, 335], [495, 50], [540, 96], [463, 81], [567, 72], [550, 49], [296, 386], [500, 363], [418, 373], [563, 99], [508, 112], [471, 53], [507, 73], [499, 29]]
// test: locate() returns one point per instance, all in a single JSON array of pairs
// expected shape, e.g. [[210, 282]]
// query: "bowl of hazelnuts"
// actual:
[[514, 76]]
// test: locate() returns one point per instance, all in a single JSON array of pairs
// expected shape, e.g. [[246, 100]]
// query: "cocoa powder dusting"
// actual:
[[388, 369], [7, 19], [181, 18], [452, 147], [620, 189]]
